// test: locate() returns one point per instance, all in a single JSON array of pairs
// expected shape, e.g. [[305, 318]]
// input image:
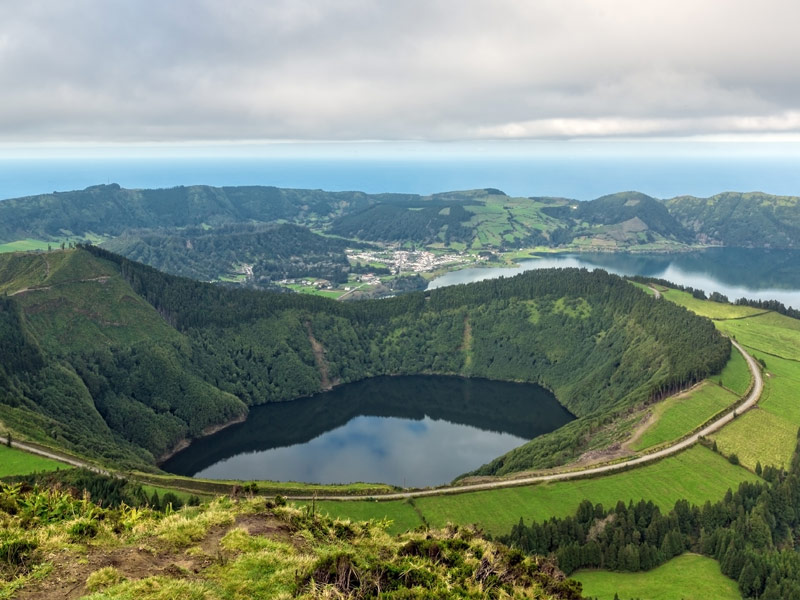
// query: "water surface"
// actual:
[[759, 274], [409, 431]]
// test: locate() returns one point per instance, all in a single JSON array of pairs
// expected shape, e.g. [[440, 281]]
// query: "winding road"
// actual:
[[751, 400]]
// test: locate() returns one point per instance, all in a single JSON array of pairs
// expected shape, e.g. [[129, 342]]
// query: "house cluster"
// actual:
[[404, 261]]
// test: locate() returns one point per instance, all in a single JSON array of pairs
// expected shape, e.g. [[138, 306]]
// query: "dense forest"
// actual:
[[271, 252], [752, 220], [115, 359], [752, 532]]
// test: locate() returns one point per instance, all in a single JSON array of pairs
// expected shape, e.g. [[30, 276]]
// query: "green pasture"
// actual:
[[686, 577], [767, 433], [16, 462], [706, 308], [758, 436], [781, 395], [771, 333], [676, 416], [736, 374], [26, 245], [697, 474]]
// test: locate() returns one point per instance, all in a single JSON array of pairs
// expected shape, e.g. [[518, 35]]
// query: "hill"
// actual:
[[257, 235], [752, 220], [621, 220], [118, 361], [261, 253]]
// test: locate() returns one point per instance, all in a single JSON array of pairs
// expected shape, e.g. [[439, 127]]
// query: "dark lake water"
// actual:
[[736, 272], [409, 431]]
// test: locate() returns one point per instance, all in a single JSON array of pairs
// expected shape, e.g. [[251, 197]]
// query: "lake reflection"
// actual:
[[409, 431], [736, 272]]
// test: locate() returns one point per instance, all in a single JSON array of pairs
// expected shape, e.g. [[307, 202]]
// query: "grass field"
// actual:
[[17, 462], [712, 310], [688, 577], [697, 474], [758, 436], [679, 415], [770, 333], [782, 388], [736, 375], [314, 291], [25, 245], [768, 433], [402, 513]]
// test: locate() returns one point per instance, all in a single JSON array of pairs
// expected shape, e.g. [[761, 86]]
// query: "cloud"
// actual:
[[139, 70]]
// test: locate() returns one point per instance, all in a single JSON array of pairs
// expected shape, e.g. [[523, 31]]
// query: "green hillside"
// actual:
[[753, 220], [118, 361], [270, 252]]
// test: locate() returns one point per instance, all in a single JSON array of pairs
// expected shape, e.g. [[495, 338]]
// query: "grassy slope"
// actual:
[[252, 549], [712, 310], [689, 577], [679, 415], [76, 302], [736, 375], [769, 333], [17, 462], [766, 434], [697, 475]]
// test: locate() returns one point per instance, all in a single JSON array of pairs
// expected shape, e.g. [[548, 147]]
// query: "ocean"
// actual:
[[580, 177]]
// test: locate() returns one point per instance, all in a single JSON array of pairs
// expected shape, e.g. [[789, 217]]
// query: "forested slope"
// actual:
[[751, 220], [111, 210], [272, 252], [155, 359]]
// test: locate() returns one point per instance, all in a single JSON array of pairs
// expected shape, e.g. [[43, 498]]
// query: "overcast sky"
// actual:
[[134, 71]]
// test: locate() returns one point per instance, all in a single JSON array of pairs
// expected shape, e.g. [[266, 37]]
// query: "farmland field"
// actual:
[[697, 474], [770, 333], [689, 576], [24, 245], [712, 310], [681, 414], [735, 376], [17, 462], [758, 436]]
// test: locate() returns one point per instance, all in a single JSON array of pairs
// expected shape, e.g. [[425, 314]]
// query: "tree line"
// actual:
[[752, 532]]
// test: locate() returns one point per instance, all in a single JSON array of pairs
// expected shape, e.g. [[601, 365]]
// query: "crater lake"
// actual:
[[408, 431]]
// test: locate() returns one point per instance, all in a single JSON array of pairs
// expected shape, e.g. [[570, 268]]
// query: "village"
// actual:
[[410, 261], [386, 263]]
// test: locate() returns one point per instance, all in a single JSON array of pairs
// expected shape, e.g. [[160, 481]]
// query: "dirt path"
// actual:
[[656, 293]]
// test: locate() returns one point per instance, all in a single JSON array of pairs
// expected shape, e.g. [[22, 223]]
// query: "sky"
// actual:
[[195, 73]]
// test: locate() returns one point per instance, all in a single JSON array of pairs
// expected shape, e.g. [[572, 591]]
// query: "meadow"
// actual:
[[706, 308], [769, 333], [16, 462], [736, 375], [688, 576], [697, 474], [675, 417]]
